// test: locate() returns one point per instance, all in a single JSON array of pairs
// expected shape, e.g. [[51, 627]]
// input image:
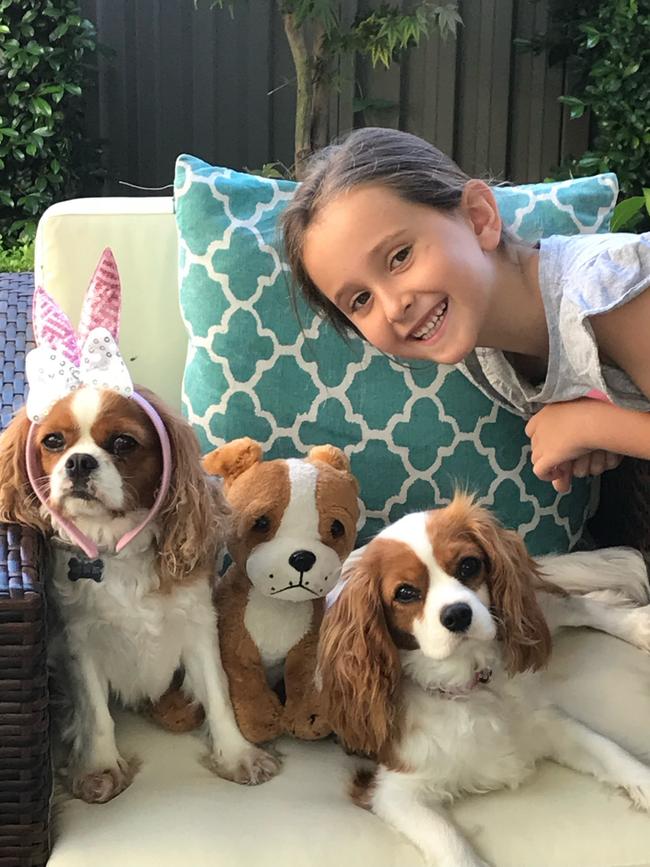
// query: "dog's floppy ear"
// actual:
[[233, 459], [194, 516], [513, 577], [18, 502], [358, 663]]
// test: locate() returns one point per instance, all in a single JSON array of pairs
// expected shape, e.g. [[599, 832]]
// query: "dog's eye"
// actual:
[[407, 593], [337, 529], [122, 444], [262, 524], [468, 568], [54, 442]]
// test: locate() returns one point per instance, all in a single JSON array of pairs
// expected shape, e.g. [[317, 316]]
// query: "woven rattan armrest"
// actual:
[[25, 776]]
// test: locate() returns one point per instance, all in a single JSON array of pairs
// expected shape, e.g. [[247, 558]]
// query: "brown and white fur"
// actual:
[[429, 659], [152, 611]]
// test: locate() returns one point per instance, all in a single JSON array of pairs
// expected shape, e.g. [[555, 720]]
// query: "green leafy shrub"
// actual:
[[607, 43], [44, 47], [20, 258]]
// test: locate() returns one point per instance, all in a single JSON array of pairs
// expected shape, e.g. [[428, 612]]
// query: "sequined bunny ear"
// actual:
[[64, 359], [52, 328], [101, 307]]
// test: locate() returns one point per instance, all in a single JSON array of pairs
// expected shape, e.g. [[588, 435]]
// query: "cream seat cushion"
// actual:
[[176, 813]]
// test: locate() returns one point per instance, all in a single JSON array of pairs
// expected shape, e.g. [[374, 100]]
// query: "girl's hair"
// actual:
[[409, 166]]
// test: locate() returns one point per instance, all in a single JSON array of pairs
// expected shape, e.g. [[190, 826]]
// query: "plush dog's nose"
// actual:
[[80, 466], [302, 561], [456, 617]]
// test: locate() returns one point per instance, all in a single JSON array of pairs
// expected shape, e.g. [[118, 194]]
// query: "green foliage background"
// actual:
[[45, 49], [607, 43]]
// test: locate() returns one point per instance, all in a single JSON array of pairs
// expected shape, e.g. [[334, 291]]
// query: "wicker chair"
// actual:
[[25, 775]]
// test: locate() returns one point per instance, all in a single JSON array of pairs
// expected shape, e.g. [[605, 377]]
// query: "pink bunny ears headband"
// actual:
[[65, 360]]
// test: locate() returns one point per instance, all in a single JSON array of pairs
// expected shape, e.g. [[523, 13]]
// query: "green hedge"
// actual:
[[45, 47], [607, 43]]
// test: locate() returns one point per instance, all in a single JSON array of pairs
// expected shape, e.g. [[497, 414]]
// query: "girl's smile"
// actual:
[[416, 281]]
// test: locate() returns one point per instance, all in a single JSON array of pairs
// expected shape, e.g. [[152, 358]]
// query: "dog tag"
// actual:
[[82, 567]]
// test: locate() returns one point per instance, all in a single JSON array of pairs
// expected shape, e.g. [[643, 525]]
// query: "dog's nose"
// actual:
[[302, 561], [456, 617], [79, 466]]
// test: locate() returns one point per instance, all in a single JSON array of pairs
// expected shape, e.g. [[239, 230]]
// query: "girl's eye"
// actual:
[[54, 442], [359, 301], [400, 257]]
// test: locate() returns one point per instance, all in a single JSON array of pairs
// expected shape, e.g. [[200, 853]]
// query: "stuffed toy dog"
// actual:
[[294, 523]]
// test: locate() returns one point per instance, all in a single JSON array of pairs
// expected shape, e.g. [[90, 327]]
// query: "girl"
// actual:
[[387, 237]]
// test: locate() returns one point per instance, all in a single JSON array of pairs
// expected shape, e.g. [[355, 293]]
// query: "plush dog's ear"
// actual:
[[358, 665], [513, 577], [18, 502], [331, 455], [194, 516], [233, 459]]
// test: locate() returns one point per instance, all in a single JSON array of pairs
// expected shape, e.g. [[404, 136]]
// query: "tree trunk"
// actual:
[[321, 79], [304, 90]]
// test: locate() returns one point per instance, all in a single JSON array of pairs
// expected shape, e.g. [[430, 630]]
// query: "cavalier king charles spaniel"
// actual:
[[429, 661], [123, 623]]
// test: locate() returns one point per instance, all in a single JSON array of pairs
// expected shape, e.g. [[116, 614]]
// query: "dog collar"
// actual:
[[90, 549], [480, 678]]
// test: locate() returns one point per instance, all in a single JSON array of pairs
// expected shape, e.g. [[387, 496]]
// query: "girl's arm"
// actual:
[[563, 432], [623, 337], [560, 433]]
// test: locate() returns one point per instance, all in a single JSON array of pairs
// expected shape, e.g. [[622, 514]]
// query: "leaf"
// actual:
[[625, 211], [41, 106], [576, 106], [646, 198]]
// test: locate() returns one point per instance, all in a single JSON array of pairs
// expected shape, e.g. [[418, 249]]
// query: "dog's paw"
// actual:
[[103, 784], [640, 796], [639, 627], [250, 768]]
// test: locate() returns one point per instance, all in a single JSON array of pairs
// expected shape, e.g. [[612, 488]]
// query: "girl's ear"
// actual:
[[480, 207], [358, 665]]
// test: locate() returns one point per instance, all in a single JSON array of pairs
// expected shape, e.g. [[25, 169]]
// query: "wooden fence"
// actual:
[[175, 79]]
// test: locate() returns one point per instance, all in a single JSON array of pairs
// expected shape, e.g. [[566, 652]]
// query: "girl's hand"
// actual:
[[557, 435], [592, 464], [562, 443]]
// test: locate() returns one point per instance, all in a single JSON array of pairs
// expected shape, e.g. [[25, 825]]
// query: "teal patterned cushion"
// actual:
[[412, 435]]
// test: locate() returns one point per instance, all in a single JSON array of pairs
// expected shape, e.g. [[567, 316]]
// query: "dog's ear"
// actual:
[[358, 664], [18, 502], [331, 455], [233, 459], [513, 577], [194, 516]]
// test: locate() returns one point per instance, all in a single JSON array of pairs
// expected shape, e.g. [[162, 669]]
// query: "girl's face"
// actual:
[[416, 281]]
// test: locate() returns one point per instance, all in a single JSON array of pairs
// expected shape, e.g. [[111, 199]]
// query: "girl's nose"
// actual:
[[396, 305]]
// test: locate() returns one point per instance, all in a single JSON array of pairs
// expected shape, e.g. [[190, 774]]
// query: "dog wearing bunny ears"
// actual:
[[114, 480]]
